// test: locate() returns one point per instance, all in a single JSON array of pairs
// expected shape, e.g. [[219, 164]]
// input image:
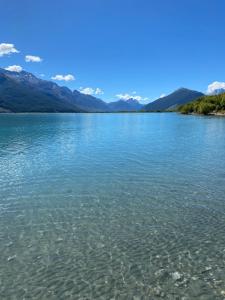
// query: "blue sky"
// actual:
[[143, 48]]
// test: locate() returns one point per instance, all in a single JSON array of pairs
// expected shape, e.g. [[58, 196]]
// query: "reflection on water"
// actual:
[[112, 206]]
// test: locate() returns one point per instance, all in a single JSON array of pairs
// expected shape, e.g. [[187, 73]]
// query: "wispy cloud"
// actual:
[[14, 68], [67, 77], [6, 49], [133, 95], [162, 96], [91, 91], [33, 58], [216, 85], [99, 91]]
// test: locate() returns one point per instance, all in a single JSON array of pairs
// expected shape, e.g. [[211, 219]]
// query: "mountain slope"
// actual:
[[18, 97], [125, 105], [24, 92], [89, 103], [205, 105], [180, 96]]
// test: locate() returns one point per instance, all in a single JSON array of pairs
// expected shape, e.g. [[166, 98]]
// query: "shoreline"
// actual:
[[217, 114]]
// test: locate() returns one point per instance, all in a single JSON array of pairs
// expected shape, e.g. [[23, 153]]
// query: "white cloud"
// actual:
[[216, 85], [98, 91], [32, 58], [91, 91], [87, 91], [7, 49], [67, 77], [162, 96], [126, 97], [14, 68]]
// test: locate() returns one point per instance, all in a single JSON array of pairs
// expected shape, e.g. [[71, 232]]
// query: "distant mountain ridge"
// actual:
[[20, 93], [125, 105], [171, 101], [24, 92]]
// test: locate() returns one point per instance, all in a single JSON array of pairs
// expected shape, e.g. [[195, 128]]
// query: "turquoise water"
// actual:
[[112, 206]]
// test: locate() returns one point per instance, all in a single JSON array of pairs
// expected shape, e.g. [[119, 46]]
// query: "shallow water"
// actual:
[[112, 206]]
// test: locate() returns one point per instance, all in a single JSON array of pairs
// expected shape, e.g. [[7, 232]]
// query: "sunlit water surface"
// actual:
[[112, 206]]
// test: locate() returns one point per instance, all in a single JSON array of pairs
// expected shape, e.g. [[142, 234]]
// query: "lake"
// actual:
[[112, 206]]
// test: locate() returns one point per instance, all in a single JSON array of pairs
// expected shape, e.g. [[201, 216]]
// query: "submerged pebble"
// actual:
[[9, 244], [176, 276], [10, 258], [157, 291], [207, 269], [59, 240]]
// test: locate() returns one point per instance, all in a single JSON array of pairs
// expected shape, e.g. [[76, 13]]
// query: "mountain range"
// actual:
[[128, 105], [170, 102], [24, 92]]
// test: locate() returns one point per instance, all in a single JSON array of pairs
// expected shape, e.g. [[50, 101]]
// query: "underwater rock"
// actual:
[[157, 291], [161, 273], [176, 276], [59, 240], [10, 258], [9, 244], [207, 269]]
